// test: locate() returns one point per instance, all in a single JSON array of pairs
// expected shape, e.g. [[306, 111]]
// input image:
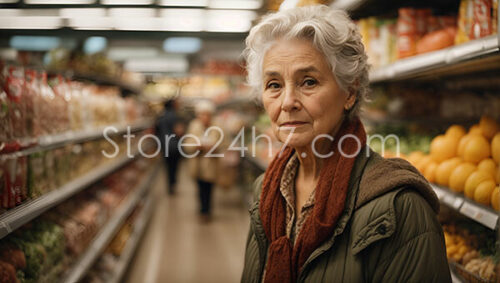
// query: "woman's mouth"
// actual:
[[292, 124]]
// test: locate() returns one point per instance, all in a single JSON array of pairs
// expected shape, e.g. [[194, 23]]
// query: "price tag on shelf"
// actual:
[[448, 198], [480, 214]]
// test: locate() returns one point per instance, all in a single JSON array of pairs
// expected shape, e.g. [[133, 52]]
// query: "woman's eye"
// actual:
[[273, 85], [310, 82]]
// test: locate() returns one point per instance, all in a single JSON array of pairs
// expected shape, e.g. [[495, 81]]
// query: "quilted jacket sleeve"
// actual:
[[416, 252]]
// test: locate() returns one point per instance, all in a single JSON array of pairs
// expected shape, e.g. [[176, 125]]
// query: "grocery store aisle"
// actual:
[[178, 247]]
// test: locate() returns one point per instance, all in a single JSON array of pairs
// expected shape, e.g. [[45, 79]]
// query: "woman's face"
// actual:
[[300, 93]]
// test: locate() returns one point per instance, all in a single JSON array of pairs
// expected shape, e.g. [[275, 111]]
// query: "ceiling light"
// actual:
[[82, 12], [235, 4], [34, 43], [59, 2], [132, 12], [94, 44], [91, 23], [127, 2], [30, 22], [229, 21], [182, 19], [131, 23], [182, 45], [184, 3]]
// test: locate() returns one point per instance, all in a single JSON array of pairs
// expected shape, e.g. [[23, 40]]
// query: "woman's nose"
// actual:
[[290, 100]]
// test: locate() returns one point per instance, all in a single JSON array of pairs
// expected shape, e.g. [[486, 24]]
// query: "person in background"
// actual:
[[328, 208], [170, 124], [202, 164]]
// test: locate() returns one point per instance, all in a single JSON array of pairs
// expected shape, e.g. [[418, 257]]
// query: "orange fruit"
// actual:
[[488, 126], [474, 180], [443, 148], [443, 171], [430, 172], [483, 192], [487, 165], [455, 131], [422, 164], [475, 130], [476, 149], [415, 156], [497, 175], [495, 198], [495, 148], [461, 144], [460, 175]]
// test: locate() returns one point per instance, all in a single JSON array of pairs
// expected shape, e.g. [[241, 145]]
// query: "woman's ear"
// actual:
[[350, 101]]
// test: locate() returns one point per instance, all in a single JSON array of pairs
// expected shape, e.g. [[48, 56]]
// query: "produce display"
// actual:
[[465, 161], [32, 106], [24, 177], [43, 249], [418, 30], [473, 249]]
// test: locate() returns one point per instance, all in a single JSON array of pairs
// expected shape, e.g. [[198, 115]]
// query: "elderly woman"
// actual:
[[328, 208]]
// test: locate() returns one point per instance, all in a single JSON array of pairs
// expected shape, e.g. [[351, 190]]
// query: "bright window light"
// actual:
[[30, 22], [229, 21], [182, 45], [127, 2], [182, 19], [184, 3], [94, 44], [34, 43], [235, 4], [59, 2]]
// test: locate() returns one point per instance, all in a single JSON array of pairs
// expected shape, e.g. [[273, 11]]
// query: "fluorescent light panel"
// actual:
[[82, 12], [8, 1], [59, 2], [30, 22], [132, 12], [235, 4], [182, 19], [229, 20], [127, 2], [183, 3]]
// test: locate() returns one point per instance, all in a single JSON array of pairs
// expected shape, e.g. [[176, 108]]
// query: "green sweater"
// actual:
[[388, 231]]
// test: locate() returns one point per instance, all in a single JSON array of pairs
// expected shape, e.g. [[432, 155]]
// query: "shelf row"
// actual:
[[24, 213], [55, 141], [100, 242], [441, 60]]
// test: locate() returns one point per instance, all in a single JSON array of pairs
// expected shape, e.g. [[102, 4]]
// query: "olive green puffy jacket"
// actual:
[[388, 231]]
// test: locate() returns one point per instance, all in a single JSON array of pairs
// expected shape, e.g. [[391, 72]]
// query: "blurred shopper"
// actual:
[[202, 164], [327, 212], [170, 128]]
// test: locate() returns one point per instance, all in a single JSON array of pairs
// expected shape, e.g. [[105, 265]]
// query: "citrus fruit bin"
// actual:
[[463, 166]]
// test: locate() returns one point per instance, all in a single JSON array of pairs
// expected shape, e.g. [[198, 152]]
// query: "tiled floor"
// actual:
[[178, 247]]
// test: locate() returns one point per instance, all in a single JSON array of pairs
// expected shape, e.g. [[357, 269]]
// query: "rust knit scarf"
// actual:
[[284, 258]]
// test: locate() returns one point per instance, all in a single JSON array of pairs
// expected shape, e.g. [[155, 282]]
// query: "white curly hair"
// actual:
[[330, 30]]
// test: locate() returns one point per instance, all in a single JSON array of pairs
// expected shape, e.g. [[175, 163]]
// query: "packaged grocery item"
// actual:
[[36, 174], [75, 107], [50, 173], [481, 19], [32, 102], [494, 16], [14, 87], [60, 106], [47, 113], [422, 16], [20, 183], [464, 21], [436, 40], [5, 127], [3, 182], [9, 195], [407, 32]]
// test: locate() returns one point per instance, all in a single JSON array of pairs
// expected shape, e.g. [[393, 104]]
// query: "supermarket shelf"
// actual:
[[24, 213], [441, 60], [256, 162], [133, 242], [55, 141], [100, 242], [473, 210]]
